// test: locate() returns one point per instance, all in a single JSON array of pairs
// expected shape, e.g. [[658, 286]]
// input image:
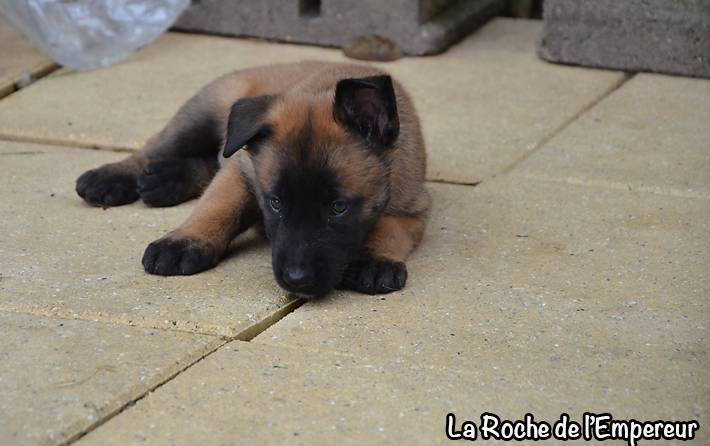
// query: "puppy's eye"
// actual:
[[275, 203], [338, 207]]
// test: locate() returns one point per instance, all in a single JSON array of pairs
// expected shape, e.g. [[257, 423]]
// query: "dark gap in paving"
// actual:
[[256, 329], [27, 79], [70, 315], [25, 153], [65, 143], [556, 131], [92, 427], [606, 184], [458, 183], [118, 149], [245, 335]]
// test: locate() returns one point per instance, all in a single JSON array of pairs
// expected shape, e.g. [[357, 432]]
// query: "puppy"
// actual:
[[327, 158]]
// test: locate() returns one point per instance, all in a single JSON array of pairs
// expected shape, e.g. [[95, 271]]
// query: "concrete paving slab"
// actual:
[[652, 134], [483, 104], [19, 60], [573, 298], [567, 271], [61, 257], [122, 106], [247, 393], [489, 100], [58, 377]]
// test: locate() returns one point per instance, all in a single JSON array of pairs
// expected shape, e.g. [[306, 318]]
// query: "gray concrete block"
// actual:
[[418, 26], [634, 35]]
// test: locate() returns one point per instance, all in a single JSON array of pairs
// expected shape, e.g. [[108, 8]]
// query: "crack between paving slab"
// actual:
[[66, 143], [245, 335], [616, 185], [255, 330], [33, 77], [108, 417], [456, 182], [28, 78], [68, 315], [120, 149], [26, 152], [567, 122]]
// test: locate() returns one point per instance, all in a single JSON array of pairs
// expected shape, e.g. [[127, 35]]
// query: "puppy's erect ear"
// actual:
[[368, 108], [246, 123]]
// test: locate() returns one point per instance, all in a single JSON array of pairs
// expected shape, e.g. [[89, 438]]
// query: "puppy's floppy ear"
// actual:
[[246, 123], [368, 108]]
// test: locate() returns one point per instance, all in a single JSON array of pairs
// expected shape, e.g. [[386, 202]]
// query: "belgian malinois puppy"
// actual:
[[327, 158]]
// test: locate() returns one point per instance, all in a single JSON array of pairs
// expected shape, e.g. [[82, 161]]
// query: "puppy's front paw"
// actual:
[[107, 186], [373, 275], [171, 256], [166, 183]]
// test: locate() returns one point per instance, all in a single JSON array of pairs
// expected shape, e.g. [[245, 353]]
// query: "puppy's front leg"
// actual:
[[225, 209], [381, 269]]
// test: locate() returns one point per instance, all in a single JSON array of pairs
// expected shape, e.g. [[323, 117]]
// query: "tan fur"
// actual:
[[389, 180], [359, 170], [395, 237], [219, 212], [306, 92]]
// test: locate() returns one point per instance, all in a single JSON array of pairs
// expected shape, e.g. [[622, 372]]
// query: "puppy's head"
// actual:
[[321, 174]]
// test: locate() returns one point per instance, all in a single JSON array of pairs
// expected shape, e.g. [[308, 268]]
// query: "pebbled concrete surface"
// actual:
[[62, 257], [484, 103], [58, 377], [652, 135]]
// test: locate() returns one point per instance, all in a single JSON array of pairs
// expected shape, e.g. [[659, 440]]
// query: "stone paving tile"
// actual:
[[600, 288], [58, 376], [651, 134], [248, 393], [483, 104], [18, 59], [525, 297], [61, 257], [489, 100], [122, 106], [569, 271]]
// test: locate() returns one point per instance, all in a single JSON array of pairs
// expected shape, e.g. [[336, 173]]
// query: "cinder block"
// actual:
[[635, 35], [418, 26]]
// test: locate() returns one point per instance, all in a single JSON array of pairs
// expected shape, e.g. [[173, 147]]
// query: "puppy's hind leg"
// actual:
[[171, 181], [183, 158], [113, 184], [175, 165]]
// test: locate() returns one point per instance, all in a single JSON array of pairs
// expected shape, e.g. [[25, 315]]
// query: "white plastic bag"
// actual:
[[86, 34]]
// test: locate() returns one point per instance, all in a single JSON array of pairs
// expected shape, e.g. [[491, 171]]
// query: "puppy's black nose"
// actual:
[[297, 277]]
